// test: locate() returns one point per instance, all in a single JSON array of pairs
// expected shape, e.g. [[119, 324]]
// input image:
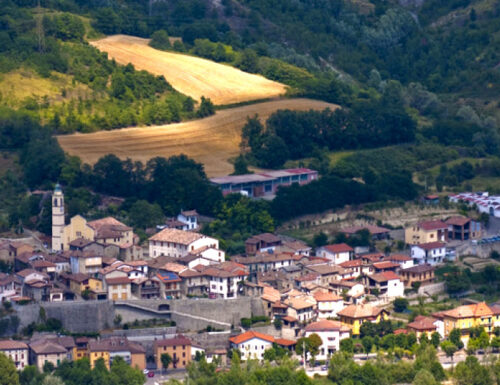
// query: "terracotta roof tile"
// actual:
[[176, 236], [321, 296], [118, 281], [422, 323], [11, 344], [433, 225], [431, 245], [323, 325], [467, 311], [360, 311], [339, 248], [250, 335], [176, 341]]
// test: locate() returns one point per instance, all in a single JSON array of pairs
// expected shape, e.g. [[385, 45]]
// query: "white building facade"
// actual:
[[251, 345], [16, 351], [338, 253], [179, 243], [331, 333], [432, 253]]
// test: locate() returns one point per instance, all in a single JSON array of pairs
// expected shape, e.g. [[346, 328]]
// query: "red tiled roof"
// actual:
[[360, 311], [469, 311], [398, 257], [390, 275], [372, 256], [320, 296], [250, 335], [425, 267], [385, 265], [323, 325], [384, 276], [422, 323], [118, 281], [338, 248], [431, 245], [285, 342], [353, 263], [458, 221], [307, 277], [40, 264], [11, 344], [176, 341]]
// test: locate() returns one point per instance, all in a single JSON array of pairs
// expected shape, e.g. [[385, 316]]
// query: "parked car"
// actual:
[[151, 374]]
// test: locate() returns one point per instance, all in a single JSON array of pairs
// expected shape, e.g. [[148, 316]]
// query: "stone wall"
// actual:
[[76, 316], [189, 314]]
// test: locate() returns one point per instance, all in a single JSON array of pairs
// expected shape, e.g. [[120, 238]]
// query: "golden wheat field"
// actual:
[[211, 141], [190, 75]]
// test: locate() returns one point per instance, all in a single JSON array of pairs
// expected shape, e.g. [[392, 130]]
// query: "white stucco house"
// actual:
[[337, 253], [331, 333], [432, 253], [388, 284], [253, 344], [179, 243], [328, 304], [189, 218], [17, 351]]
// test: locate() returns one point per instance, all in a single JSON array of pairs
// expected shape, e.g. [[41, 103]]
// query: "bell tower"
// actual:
[[57, 218]]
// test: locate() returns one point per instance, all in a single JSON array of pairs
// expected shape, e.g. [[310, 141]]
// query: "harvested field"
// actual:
[[190, 75], [211, 141]]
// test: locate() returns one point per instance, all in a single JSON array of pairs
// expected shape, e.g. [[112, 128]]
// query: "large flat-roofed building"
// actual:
[[264, 183]]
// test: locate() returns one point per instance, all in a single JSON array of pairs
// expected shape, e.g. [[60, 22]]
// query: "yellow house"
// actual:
[[97, 350], [81, 348], [179, 349], [354, 316], [77, 228], [468, 316], [108, 349], [119, 288], [426, 232], [106, 230], [79, 282]]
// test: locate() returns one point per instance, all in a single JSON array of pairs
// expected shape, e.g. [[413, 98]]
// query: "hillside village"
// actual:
[[332, 291], [249, 192]]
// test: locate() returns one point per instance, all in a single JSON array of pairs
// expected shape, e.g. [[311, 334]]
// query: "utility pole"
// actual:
[[39, 28]]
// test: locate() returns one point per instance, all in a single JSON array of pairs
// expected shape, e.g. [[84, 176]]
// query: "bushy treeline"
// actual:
[[296, 135], [174, 183], [104, 95], [72, 373], [446, 57], [332, 192]]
